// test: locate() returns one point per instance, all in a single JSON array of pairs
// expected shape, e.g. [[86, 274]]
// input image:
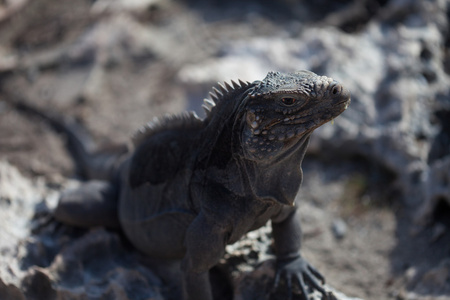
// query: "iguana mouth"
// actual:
[[346, 101], [292, 120], [297, 119], [272, 124]]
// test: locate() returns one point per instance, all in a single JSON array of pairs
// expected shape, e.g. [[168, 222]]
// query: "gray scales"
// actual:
[[191, 186]]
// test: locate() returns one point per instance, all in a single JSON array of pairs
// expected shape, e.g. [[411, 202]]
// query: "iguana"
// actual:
[[191, 186]]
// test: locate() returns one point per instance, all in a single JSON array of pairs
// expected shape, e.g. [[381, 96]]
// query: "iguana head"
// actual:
[[283, 109]]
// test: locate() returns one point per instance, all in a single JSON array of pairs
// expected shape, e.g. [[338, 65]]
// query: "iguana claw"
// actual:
[[299, 270]]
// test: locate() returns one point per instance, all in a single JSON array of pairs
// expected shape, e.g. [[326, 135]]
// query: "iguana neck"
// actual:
[[280, 179], [276, 180]]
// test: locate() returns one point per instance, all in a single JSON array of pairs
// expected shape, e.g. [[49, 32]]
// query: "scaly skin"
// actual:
[[192, 186]]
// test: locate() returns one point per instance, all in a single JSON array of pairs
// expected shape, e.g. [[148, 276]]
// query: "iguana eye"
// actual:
[[288, 100]]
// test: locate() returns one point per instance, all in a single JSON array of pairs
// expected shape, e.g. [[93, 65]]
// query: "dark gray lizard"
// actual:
[[189, 186]]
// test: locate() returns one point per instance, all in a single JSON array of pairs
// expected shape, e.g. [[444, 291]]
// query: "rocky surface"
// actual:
[[376, 198], [42, 259]]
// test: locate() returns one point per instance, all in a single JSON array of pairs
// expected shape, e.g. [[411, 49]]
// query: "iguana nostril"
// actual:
[[336, 89]]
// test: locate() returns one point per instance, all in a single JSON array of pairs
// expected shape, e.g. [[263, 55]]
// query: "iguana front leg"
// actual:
[[205, 245], [290, 265]]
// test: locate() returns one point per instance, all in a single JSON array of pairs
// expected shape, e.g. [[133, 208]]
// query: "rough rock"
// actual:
[[258, 285], [50, 265], [18, 198], [252, 265], [60, 262], [94, 266], [437, 189], [116, 64], [10, 292], [430, 285], [390, 120], [339, 228]]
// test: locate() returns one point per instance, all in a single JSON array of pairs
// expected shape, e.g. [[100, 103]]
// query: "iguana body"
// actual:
[[190, 187]]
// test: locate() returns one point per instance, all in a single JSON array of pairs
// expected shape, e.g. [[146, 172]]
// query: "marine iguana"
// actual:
[[191, 186]]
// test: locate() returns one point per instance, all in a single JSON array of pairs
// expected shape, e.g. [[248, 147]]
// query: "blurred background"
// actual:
[[375, 201]]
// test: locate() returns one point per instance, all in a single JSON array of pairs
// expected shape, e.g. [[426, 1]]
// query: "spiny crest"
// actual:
[[187, 119], [220, 92]]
